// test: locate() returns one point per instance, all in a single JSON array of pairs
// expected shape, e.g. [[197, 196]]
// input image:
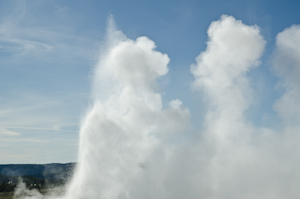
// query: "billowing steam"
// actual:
[[131, 147]]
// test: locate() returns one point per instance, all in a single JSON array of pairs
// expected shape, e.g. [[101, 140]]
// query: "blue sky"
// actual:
[[48, 49]]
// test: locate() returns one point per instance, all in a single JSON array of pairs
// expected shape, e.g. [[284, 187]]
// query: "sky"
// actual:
[[48, 50]]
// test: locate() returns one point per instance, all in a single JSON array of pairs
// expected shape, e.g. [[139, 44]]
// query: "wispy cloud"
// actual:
[[43, 129], [39, 125], [8, 132], [38, 112], [61, 8], [22, 34]]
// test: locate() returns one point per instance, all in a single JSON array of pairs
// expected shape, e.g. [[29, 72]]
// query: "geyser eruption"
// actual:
[[132, 147], [122, 134]]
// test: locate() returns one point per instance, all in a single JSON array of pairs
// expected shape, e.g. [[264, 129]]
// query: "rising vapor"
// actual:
[[131, 147]]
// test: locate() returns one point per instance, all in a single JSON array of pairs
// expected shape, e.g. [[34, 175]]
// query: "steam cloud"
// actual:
[[131, 147]]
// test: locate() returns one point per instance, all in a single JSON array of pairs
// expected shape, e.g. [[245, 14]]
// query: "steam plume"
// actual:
[[121, 137], [131, 147]]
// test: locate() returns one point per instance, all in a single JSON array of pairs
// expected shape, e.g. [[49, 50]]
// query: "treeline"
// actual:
[[35, 176], [9, 183]]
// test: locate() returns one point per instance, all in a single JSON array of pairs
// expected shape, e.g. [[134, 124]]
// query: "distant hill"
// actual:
[[54, 170]]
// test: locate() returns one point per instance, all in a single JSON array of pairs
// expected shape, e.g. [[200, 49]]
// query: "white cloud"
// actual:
[[233, 48], [242, 161], [287, 66]]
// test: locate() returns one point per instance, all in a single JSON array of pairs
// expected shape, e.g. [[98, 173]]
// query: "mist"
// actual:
[[133, 147]]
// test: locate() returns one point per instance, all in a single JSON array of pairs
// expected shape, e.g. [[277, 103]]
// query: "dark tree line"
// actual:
[[6, 187], [35, 176], [9, 183]]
